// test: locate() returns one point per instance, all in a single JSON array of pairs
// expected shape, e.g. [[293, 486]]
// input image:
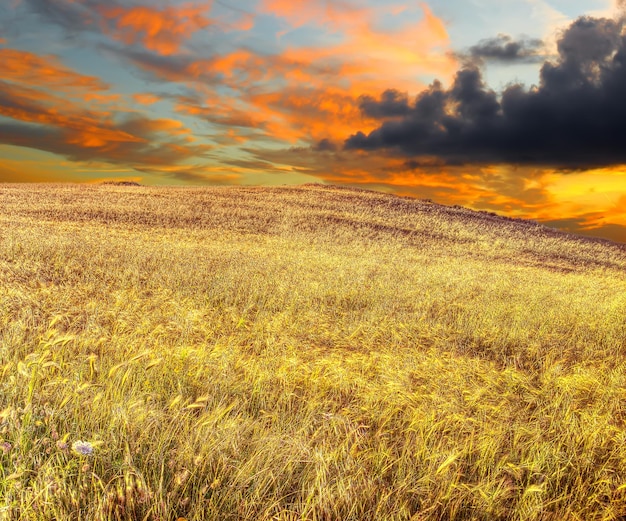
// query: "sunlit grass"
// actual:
[[303, 354]]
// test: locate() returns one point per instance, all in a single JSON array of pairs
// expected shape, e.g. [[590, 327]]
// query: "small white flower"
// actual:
[[82, 448]]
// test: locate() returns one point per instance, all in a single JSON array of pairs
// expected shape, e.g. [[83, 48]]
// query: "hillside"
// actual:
[[304, 353]]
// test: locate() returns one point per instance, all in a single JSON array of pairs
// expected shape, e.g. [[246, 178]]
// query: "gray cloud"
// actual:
[[392, 103], [574, 119], [503, 48], [325, 145], [74, 16]]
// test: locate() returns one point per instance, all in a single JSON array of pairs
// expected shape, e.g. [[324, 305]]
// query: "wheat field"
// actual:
[[303, 353]]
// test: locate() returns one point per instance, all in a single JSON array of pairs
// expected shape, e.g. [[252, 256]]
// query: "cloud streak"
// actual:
[[163, 29], [50, 107], [160, 30]]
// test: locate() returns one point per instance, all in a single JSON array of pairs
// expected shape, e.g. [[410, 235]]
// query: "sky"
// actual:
[[510, 106]]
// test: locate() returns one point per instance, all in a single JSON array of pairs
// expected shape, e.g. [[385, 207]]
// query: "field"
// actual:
[[303, 353]]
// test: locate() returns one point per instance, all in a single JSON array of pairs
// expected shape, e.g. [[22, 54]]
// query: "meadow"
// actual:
[[303, 353]]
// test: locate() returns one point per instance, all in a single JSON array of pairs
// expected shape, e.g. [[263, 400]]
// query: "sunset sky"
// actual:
[[512, 106]]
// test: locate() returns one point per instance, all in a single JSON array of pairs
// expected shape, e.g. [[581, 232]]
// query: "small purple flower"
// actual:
[[6, 447], [82, 448]]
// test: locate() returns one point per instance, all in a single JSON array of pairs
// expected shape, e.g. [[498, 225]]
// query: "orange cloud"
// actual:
[[32, 69], [159, 30], [311, 93], [310, 114], [368, 61], [301, 12], [145, 98], [369, 58], [245, 23], [76, 116]]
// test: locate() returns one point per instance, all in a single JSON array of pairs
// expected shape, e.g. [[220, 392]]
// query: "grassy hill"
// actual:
[[310, 353]]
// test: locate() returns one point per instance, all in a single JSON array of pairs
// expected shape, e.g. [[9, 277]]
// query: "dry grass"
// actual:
[[304, 354]]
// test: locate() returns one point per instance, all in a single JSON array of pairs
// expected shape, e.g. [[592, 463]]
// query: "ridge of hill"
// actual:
[[315, 208]]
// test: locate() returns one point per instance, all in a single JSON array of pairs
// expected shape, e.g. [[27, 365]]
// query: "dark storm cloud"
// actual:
[[391, 103], [503, 48], [573, 119]]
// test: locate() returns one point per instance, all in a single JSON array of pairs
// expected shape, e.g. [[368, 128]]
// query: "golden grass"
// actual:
[[304, 353]]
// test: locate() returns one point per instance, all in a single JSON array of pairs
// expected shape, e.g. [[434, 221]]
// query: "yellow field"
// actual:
[[308, 353]]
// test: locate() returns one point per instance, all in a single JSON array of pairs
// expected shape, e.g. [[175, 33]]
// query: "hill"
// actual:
[[303, 353]]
